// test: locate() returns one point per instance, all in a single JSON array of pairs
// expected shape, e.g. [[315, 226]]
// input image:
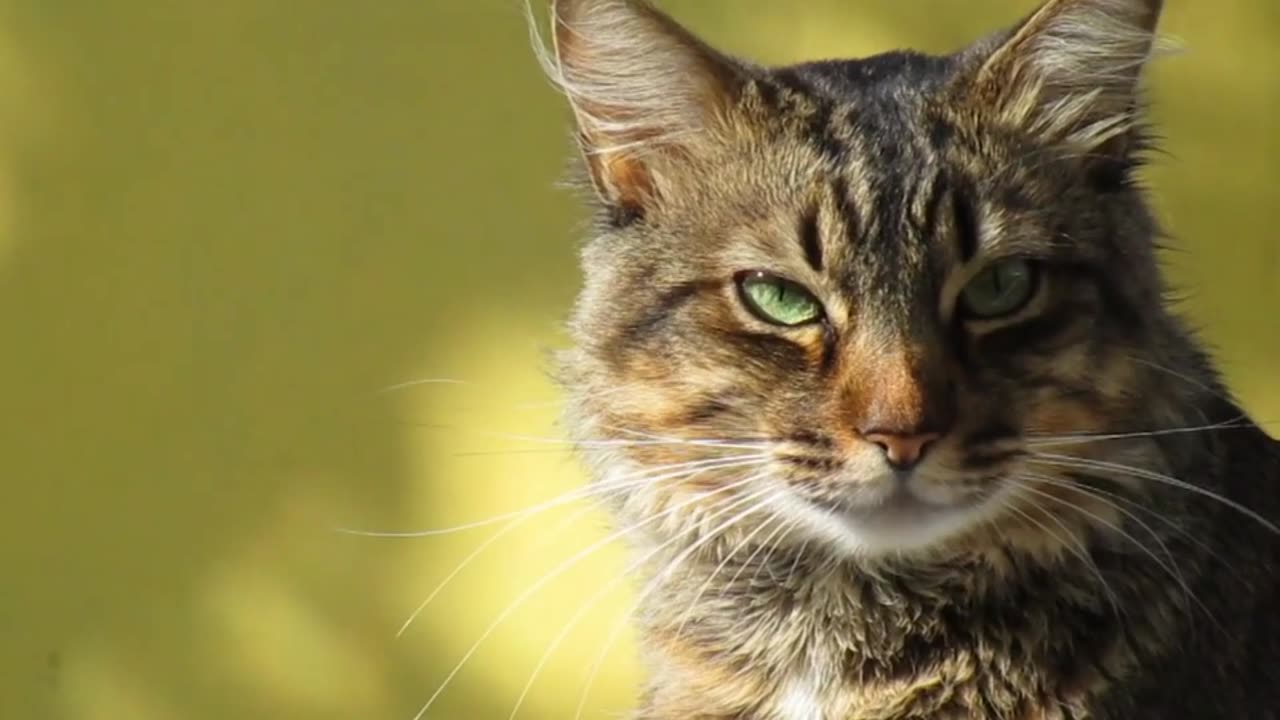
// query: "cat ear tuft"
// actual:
[[642, 89], [1070, 72]]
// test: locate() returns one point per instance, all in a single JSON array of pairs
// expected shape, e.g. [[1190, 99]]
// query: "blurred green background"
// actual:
[[227, 227]]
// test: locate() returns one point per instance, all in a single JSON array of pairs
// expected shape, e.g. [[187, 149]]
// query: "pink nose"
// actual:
[[902, 451]]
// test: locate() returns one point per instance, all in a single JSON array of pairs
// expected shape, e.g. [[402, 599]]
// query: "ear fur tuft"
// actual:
[[1070, 73], [640, 86]]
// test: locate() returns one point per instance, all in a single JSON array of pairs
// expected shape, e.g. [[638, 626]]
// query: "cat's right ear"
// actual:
[[643, 90]]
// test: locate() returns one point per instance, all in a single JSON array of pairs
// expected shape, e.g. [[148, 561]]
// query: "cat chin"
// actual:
[[905, 524]]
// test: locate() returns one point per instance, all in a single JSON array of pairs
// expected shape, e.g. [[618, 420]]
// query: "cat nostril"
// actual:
[[902, 451]]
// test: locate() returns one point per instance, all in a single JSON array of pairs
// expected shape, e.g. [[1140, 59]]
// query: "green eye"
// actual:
[[999, 290], [778, 301]]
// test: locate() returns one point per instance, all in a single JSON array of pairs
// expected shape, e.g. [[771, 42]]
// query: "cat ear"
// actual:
[[1070, 72], [642, 89]]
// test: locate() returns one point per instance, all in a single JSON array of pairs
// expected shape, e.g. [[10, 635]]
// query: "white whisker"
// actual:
[[1169, 567], [1078, 462], [1076, 548], [702, 589], [577, 617], [1184, 377], [568, 497], [1241, 421], [1186, 534], [767, 542], [542, 582], [523, 516], [795, 564], [610, 639], [418, 383]]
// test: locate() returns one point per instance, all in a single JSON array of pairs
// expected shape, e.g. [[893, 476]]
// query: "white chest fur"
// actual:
[[799, 699]]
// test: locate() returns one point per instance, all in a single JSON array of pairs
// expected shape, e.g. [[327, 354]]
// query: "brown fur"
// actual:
[[1093, 534]]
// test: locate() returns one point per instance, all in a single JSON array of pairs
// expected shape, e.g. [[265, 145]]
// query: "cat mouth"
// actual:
[[901, 503], [902, 519], [903, 496]]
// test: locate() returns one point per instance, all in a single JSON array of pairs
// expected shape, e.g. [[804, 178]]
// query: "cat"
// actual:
[[875, 366]]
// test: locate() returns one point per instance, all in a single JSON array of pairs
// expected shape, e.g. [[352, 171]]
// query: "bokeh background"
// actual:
[[236, 235]]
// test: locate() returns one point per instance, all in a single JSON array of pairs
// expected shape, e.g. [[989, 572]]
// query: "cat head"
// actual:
[[863, 302]]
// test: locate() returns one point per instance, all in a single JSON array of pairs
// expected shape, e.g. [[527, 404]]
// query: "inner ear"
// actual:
[[1070, 73], [644, 91]]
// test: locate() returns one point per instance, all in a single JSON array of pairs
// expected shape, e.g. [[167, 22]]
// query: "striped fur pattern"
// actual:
[[1092, 530]]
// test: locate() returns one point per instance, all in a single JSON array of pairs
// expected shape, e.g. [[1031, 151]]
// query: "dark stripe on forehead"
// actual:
[[845, 210], [821, 132], [817, 111], [893, 184], [937, 193], [811, 237], [914, 186], [965, 217], [888, 204]]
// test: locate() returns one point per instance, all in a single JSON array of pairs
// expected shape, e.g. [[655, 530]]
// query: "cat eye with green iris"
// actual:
[[778, 301], [1000, 290]]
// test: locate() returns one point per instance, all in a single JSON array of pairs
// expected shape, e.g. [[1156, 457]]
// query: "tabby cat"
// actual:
[[875, 365]]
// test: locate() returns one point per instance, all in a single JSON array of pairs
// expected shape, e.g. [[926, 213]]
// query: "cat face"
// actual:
[[853, 301]]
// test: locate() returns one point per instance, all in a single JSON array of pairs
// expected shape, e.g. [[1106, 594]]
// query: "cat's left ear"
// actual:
[[644, 91], [1070, 72]]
